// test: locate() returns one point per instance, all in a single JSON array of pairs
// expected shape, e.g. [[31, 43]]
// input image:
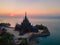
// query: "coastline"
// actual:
[[28, 36]]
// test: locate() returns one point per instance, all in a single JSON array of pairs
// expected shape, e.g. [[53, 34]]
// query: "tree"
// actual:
[[6, 39], [41, 27], [5, 24]]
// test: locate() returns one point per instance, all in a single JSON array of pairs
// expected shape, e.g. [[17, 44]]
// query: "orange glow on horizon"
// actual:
[[14, 13]]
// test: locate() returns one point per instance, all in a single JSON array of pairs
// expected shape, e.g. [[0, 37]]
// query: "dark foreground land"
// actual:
[[7, 37]]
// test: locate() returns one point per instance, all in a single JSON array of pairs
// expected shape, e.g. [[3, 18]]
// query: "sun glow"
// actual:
[[11, 14]]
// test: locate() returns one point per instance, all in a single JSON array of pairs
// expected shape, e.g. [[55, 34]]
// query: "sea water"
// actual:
[[52, 24]]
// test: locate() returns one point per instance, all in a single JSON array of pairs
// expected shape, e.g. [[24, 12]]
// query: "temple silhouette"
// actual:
[[25, 26]]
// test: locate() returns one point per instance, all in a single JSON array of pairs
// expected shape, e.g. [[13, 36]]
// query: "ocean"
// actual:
[[52, 24]]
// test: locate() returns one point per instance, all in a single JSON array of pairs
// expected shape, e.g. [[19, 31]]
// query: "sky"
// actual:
[[33, 7]]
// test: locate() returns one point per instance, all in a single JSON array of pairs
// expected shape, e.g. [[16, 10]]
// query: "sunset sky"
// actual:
[[31, 6]]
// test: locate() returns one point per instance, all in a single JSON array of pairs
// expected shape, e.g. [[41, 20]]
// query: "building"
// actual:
[[25, 26]]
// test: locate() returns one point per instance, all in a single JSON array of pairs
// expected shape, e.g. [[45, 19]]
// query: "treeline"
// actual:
[[5, 24], [41, 27]]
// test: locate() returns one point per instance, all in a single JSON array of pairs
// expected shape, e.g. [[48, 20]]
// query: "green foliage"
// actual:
[[6, 39], [23, 42], [41, 27], [5, 24]]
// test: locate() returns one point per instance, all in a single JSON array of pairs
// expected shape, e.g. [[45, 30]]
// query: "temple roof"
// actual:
[[26, 26], [25, 21]]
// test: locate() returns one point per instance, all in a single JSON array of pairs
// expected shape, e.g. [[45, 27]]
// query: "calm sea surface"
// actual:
[[52, 24]]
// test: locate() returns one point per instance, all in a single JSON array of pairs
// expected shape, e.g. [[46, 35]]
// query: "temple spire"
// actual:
[[25, 15]]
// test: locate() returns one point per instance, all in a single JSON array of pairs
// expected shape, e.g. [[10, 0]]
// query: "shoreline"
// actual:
[[28, 36]]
